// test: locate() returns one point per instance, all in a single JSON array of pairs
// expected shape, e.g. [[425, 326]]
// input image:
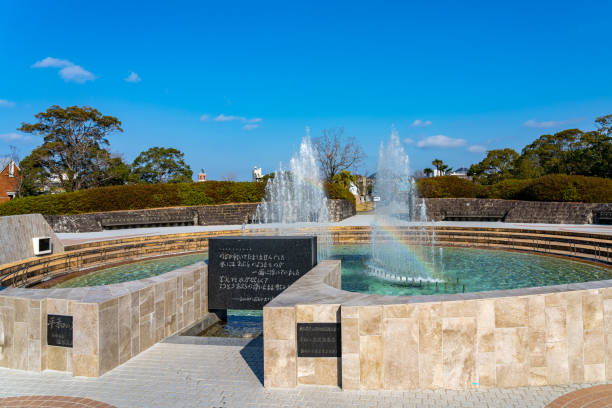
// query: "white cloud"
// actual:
[[250, 123], [408, 141], [6, 104], [477, 149], [440, 141], [546, 123], [69, 71], [421, 123], [229, 118], [13, 137], [133, 77], [204, 117]]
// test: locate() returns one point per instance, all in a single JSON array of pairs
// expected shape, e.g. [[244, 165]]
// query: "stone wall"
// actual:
[[226, 214], [16, 233], [522, 337], [514, 210], [111, 324]]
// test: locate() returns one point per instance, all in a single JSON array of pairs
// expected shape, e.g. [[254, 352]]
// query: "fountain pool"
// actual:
[[476, 269]]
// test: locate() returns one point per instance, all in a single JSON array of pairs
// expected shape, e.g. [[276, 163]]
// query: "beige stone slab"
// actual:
[[592, 312], [125, 329], [34, 355], [57, 306], [557, 363], [21, 310], [459, 309], [304, 314], [326, 371], [486, 369], [20, 346], [371, 362], [537, 316], [594, 373], [350, 311], [459, 351], [512, 375], [109, 338], [575, 339], [594, 347], [86, 330], [56, 358], [511, 312], [370, 320], [350, 335], [430, 328], [555, 324], [35, 323], [147, 301], [85, 365], [146, 332], [511, 346], [280, 364], [537, 376], [400, 311], [326, 313], [351, 373], [431, 370], [400, 353], [306, 371], [279, 323]]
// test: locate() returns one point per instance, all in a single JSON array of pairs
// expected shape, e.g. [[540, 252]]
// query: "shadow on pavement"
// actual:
[[252, 353]]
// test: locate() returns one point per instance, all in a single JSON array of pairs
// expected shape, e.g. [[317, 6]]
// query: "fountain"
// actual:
[[408, 256], [295, 199]]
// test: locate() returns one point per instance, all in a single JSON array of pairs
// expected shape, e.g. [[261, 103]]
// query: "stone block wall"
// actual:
[[111, 324], [515, 211], [226, 214]]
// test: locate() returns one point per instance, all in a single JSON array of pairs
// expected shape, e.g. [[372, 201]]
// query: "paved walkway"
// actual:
[[172, 375]]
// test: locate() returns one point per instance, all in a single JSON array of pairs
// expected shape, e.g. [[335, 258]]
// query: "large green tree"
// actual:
[[161, 165], [74, 152], [498, 165]]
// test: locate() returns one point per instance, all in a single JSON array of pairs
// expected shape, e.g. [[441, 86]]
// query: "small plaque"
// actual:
[[319, 340], [248, 272], [59, 330]]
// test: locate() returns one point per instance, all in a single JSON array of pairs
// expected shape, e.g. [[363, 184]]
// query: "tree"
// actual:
[[440, 166], [604, 124], [335, 152], [344, 178], [497, 166], [427, 171], [74, 145], [161, 165]]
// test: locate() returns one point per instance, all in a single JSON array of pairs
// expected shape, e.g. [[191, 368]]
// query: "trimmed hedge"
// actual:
[[449, 187], [553, 187], [141, 196], [339, 192]]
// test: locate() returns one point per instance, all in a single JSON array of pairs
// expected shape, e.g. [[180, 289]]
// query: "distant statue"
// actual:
[[257, 175]]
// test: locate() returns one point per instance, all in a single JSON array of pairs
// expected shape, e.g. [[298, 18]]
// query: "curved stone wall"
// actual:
[[522, 337]]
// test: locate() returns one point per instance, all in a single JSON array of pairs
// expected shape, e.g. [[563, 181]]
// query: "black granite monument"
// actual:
[[319, 340], [248, 272], [59, 330]]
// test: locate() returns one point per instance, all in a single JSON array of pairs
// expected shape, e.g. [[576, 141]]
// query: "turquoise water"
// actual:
[[458, 269], [132, 271], [469, 270]]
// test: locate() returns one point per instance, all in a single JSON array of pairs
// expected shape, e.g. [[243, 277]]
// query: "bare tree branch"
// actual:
[[335, 152]]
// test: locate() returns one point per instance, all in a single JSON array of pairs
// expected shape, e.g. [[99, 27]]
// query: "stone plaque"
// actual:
[[248, 272], [319, 340], [59, 330]]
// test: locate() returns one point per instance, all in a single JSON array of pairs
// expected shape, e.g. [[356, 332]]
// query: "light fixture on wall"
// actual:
[[42, 245]]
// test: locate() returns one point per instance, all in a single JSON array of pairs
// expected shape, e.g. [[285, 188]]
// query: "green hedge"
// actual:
[[338, 192], [140, 196], [449, 187], [553, 187]]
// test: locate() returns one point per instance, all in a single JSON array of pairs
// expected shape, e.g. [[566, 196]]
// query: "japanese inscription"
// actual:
[[319, 340], [248, 272], [59, 330]]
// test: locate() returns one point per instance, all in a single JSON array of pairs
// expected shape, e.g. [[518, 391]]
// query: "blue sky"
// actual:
[[234, 84]]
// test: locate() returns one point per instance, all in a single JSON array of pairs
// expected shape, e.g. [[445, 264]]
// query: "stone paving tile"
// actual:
[[184, 376], [49, 401]]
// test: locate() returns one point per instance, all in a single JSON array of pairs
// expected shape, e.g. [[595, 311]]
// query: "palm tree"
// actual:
[[428, 172]]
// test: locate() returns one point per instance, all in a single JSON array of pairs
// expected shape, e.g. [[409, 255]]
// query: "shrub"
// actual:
[[337, 191], [507, 189], [140, 196], [136, 196], [449, 187], [561, 187]]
